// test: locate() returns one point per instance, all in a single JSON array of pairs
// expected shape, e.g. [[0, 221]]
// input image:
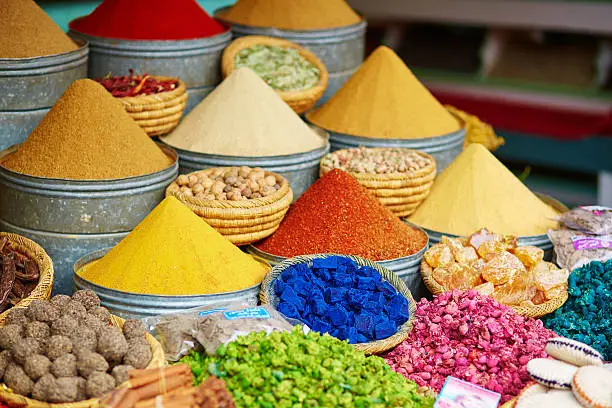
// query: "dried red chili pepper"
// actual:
[[134, 85]]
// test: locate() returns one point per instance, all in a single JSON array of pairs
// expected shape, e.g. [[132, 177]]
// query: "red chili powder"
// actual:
[[148, 20], [336, 214]]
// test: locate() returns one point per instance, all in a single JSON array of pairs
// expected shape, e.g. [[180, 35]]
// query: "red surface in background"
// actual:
[[553, 122]]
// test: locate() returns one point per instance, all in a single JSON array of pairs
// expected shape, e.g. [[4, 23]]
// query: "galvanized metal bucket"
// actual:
[[197, 62], [300, 169], [70, 218], [135, 305], [541, 241], [407, 268], [341, 49], [30, 86], [443, 148]]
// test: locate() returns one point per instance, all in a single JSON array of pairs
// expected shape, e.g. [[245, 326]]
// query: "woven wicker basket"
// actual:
[[268, 296], [401, 193], [535, 311], [300, 101], [242, 222], [509, 404], [158, 359], [160, 113], [36, 253]]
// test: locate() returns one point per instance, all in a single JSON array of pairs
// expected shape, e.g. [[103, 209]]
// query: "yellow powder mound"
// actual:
[[384, 99], [174, 252], [244, 117], [26, 31], [293, 14], [478, 191]]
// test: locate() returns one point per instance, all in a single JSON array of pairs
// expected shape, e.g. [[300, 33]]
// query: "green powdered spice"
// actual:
[[287, 369], [283, 69]]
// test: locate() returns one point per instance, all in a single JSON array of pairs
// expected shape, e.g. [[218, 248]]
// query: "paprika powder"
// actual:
[[148, 20], [337, 215]]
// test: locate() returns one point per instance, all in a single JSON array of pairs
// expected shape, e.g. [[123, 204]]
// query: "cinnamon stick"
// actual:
[[139, 378], [169, 401], [156, 388], [114, 399]]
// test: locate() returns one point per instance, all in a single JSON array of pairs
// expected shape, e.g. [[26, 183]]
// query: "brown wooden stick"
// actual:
[[168, 401], [156, 388], [138, 378]]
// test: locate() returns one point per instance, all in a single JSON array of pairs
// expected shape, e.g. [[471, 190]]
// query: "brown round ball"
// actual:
[[17, 315], [112, 344], [37, 330], [74, 309], [138, 356], [99, 384], [138, 340], [36, 366], [65, 390], [65, 366], [60, 301], [24, 348], [5, 359], [17, 380], [40, 391], [89, 362], [57, 346], [9, 335], [102, 314], [81, 389], [92, 322], [84, 338], [42, 311], [64, 326], [133, 328], [121, 373], [87, 298]]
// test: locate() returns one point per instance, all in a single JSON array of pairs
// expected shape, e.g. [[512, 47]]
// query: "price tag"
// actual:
[[460, 394]]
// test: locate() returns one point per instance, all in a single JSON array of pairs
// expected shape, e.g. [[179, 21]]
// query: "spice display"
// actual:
[[384, 99], [591, 220], [496, 266], [478, 191], [473, 338], [261, 370], [283, 69], [26, 31], [62, 145], [148, 20], [574, 249], [169, 387], [19, 275], [234, 184], [337, 215], [477, 131], [174, 252], [60, 351], [335, 295], [267, 125], [295, 15], [376, 161], [587, 314], [134, 85]]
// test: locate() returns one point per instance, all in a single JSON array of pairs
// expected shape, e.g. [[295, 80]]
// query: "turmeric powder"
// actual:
[[478, 191], [174, 252], [384, 100]]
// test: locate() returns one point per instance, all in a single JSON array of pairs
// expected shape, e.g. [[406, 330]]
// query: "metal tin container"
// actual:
[[70, 218], [135, 305], [443, 148], [300, 169], [407, 268], [541, 241], [197, 62], [341, 49], [30, 86]]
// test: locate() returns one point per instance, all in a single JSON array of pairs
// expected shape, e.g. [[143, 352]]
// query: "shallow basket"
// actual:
[[160, 113], [300, 101], [242, 222], [268, 296], [158, 359], [401, 193], [35, 252], [535, 311]]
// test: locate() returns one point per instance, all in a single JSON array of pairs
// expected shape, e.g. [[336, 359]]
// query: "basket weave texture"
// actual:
[[268, 296], [535, 311], [242, 222], [300, 101], [401, 193], [160, 113], [35, 252], [158, 359]]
